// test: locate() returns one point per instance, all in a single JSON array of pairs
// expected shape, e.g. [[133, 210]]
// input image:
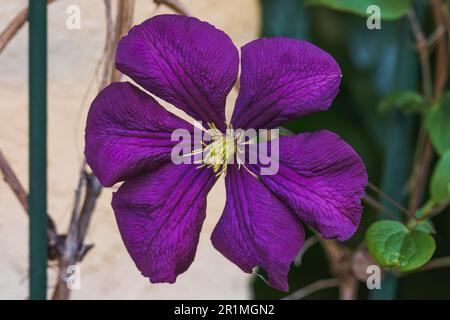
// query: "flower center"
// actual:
[[221, 151]]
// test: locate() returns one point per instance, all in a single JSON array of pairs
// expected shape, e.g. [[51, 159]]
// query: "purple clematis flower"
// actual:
[[161, 206]]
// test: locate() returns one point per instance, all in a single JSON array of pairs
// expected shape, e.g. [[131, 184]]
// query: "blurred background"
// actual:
[[375, 63]]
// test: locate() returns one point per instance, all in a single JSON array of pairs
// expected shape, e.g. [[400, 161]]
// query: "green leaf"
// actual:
[[438, 124], [406, 101], [426, 226], [393, 245], [440, 181], [390, 9]]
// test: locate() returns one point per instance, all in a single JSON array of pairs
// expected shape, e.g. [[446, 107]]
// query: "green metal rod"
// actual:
[[397, 165], [38, 149], [398, 153]]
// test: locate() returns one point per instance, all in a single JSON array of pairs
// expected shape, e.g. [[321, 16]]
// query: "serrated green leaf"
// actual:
[[390, 9], [393, 245], [438, 124], [405, 101], [440, 181]]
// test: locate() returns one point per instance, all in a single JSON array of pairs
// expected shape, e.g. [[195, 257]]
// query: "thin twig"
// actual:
[[109, 46], [124, 21], [375, 204], [386, 197], [69, 248], [437, 263], [422, 170], [175, 5], [378, 206], [74, 247], [308, 244], [438, 209], [14, 26], [313, 287], [441, 67], [424, 56], [431, 209], [93, 189], [421, 167], [446, 15], [11, 179], [435, 36]]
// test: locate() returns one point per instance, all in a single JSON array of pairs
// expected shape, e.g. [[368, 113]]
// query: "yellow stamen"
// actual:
[[221, 151]]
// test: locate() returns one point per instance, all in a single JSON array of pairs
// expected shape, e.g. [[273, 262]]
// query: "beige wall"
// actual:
[[107, 272]]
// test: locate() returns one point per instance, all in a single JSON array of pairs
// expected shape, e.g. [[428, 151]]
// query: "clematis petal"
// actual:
[[184, 61], [282, 78], [322, 179], [257, 229], [160, 216], [128, 133]]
